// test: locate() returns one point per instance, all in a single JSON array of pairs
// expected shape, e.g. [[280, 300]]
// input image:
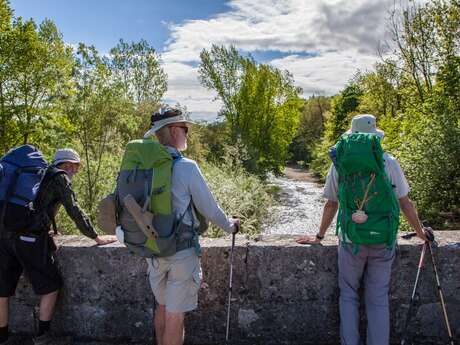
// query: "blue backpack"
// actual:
[[22, 171]]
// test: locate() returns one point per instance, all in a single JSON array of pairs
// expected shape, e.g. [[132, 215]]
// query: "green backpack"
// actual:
[[143, 202], [368, 207]]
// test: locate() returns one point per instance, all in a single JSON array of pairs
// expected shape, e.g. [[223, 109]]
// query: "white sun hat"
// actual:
[[166, 116], [365, 123]]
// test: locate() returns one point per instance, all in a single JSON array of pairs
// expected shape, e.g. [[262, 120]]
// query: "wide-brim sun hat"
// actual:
[[365, 123], [164, 117], [66, 155]]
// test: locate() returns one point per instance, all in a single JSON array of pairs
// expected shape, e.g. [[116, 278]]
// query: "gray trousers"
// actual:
[[372, 266]]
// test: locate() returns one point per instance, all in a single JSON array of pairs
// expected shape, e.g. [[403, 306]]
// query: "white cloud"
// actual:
[[343, 35], [184, 88], [327, 73]]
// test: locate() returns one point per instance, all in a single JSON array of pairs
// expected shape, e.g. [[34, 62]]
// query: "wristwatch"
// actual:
[[319, 237]]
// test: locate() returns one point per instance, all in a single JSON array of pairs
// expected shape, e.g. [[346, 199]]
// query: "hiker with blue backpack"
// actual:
[[160, 206], [31, 193], [368, 188]]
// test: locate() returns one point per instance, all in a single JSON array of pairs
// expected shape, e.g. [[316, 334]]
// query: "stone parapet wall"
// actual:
[[284, 293]]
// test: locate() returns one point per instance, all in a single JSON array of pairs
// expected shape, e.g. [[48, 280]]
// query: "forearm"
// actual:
[[206, 204], [81, 221], [409, 211], [218, 217], [212, 212], [329, 211], [69, 201]]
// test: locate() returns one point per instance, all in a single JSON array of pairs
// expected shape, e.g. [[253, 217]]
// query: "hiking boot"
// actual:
[[48, 338]]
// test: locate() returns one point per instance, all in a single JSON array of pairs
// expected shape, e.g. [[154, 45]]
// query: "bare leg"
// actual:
[[47, 304], [174, 329], [4, 311], [159, 323]]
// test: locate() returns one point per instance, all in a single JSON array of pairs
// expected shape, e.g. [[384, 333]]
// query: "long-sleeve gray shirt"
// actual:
[[188, 184]]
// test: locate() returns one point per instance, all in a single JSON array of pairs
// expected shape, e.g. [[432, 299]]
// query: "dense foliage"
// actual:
[[310, 130], [260, 105], [54, 96], [416, 98]]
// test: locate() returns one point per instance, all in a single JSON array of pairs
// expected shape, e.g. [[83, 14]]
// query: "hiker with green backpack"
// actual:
[[160, 207], [369, 189]]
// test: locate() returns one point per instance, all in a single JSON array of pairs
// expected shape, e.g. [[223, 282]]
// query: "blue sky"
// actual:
[[321, 42], [103, 22]]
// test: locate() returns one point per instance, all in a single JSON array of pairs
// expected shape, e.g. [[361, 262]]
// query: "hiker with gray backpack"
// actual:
[[31, 192], [160, 207], [368, 188]]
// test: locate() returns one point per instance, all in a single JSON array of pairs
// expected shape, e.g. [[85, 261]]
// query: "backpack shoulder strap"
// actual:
[[51, 173], [176, 157]]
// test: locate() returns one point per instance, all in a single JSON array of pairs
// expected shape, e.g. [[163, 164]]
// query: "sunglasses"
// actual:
[[185, 128]]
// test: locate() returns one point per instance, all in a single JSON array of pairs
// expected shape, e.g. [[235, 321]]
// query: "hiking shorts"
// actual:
[[175, 280], [33, 256]]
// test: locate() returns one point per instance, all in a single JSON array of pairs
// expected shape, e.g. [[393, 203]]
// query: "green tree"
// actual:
[[381, 94], [416, 99], [411, 29], [431, 148], [311, 127], [35, 74], [6, 49], [101, 120], [138, 67], [261, 105], [112, 102], [426, 135], [343, 107], [221, 70], [268, 109]]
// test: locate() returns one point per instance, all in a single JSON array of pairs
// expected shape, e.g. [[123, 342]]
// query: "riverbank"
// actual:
[[298, 173]]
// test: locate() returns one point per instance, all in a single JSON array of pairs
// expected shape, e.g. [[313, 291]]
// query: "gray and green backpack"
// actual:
[[368, 207], [145, 177]]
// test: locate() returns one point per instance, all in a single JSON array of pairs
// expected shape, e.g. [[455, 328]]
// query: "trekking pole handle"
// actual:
[[236, 224], [409, 235], [427, 231]]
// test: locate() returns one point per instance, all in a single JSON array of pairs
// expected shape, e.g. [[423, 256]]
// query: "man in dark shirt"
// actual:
[[33, 251]]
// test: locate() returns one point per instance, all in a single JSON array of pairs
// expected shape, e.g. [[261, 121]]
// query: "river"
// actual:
[[299, 204]]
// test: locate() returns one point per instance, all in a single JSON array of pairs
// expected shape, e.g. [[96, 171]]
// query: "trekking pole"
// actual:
[[230, 288], [441, 296], [412, 299]]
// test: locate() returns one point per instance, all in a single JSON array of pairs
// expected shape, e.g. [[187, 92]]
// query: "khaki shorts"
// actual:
[[175, 280]]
